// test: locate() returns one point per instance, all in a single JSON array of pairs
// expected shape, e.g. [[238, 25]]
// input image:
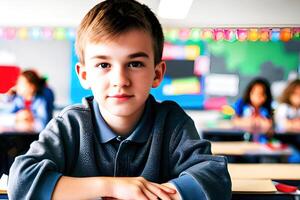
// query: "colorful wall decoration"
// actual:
[[171, 34], [37, 33], [232, 34]]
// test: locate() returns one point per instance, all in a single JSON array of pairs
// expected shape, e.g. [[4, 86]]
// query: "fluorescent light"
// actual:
[[174, 9]]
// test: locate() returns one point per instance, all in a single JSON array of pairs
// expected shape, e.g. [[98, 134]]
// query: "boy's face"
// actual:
[[120, 72]]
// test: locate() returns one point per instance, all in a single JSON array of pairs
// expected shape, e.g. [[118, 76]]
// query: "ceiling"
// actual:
[[203, 13]]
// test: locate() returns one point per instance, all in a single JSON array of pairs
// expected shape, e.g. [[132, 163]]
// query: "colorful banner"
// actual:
[[171, 34]]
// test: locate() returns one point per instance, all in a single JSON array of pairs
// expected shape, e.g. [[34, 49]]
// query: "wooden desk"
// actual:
[[224, 130], [260, 189], [252, 175], [265, 171], [247, 148], [265, 196], [253, 186], [244, 189]]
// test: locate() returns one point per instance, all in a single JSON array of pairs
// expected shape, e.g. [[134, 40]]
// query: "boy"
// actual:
[[120, 143]]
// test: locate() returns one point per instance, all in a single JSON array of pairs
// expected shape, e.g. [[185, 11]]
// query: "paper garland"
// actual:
[[171, 34], [231, 35], [37, 33]]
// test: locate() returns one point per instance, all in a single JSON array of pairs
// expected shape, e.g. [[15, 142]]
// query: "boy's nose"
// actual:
[[119, 77]]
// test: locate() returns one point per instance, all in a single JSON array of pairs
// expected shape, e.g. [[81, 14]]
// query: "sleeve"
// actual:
[[238, 107], [195, 168], [35, 174]]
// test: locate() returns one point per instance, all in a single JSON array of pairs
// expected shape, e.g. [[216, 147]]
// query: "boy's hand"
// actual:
[[140, 188], [175, 196]]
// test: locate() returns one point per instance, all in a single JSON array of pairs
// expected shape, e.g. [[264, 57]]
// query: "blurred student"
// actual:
[[31, 101], [287, 114], [120, 143], [253, 110]]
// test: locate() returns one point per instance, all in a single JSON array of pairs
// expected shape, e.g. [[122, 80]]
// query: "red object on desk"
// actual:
[[8, 76], [285, 188], [278, 146]]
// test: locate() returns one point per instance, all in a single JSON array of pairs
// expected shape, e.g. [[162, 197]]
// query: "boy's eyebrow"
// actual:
[[138, 54], [134, 55], [100, 57]]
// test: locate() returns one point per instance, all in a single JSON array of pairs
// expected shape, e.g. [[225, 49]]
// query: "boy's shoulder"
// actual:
[[170, 108], [165, 105], [77, 109]]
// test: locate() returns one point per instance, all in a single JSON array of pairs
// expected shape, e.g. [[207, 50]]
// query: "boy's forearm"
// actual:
[[81, 188], [112, 187]]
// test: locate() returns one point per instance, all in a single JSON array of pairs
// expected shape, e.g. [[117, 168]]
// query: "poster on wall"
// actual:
[[221, 84]]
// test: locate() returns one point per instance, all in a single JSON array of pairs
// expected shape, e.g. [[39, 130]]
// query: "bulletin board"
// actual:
[[276, 61], [224, 70], [182, 83]]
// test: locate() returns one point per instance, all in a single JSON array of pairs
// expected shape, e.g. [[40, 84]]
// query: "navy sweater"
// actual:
[[163, 147]]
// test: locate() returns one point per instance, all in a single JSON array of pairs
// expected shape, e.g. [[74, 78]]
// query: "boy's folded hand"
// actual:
[[140, 188], [175, 196]]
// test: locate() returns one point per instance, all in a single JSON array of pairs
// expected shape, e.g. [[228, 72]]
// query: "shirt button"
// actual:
[[120, 138]]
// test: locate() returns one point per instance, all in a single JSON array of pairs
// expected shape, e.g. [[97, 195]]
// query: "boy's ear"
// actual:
[[81, 73], [160, 70]]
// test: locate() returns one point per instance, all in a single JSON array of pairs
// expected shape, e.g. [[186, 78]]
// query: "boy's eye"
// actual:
[[135, 64], [103, 65]]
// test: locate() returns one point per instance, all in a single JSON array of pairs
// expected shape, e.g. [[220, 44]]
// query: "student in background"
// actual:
[[121, 143], [32, 101], [287, 114], [254, 111]]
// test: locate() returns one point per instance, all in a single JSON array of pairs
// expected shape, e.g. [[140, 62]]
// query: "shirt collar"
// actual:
[[140, 133], [103, 130], [142, 130]]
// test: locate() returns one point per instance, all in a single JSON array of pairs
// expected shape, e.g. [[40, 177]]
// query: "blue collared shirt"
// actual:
[[163, 146], [139, 134], [186, 184]]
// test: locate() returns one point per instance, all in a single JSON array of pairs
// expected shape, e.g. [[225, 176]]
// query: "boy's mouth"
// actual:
[[120, 97]]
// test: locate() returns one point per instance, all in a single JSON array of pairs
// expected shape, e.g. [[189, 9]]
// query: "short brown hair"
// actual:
[[290, 88], [111, 18]]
